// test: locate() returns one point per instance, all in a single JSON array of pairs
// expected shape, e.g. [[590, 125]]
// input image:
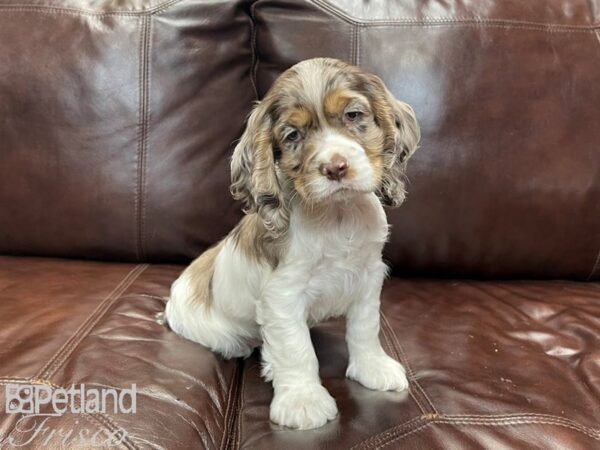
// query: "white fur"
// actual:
[[325, 247], [333, 143], [332, 267]]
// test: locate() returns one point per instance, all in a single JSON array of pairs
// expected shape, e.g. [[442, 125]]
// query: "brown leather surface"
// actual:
[[507, 181], [505, 184], [116, 122], [491, 364], [70, 322]]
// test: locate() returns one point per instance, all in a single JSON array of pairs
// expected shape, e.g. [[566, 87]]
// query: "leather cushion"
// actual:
[[116, 124], [506, 181], [491, 364]]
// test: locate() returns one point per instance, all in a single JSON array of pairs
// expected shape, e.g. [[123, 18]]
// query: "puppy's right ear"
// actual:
[[254, 178]]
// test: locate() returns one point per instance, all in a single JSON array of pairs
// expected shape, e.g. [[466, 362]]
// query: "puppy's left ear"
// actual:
[[402, 134]]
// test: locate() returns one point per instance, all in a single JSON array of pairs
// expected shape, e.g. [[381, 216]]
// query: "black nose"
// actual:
[[336, 169]]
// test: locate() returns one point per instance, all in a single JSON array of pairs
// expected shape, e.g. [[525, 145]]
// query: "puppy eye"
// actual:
[[293, 136], [352, 116]]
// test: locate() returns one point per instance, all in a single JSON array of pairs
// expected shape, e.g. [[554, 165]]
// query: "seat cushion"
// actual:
[[491, 364], [70, 322], [500, 365]]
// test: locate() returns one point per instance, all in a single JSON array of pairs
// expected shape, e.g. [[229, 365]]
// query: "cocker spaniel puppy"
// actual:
[[321, 155]]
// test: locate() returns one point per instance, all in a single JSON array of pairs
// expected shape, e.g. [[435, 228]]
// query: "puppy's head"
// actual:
[[324, 132]]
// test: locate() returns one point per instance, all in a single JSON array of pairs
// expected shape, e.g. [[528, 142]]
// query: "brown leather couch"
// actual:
[[117, 119]]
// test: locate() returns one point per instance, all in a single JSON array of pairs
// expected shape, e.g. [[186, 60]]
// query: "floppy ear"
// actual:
[[254, 178], [402, 134]]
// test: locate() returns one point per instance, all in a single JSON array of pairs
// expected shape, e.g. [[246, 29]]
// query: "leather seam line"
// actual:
[[254, 50], [409, 374], [475, 20], [404, 358], [142, 134], [227, 414], [230, 417], [358, 47], [240, 405], [391, 434], [88, 12], [353, 48], [350, 40], [100, 419], [69, 346], [594, 434], [408, 433], [529, 417], [15, 380], [418, 423]]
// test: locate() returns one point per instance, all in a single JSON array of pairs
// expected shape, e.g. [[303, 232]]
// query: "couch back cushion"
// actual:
[[116, 124], [507, 179], [117, 120]]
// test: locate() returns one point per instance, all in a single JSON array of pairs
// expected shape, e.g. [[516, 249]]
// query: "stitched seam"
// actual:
[[15, 380], [67, 348], [351, 46], [136, 194], [402, 436], [358, 47], [483, 25], [508, 415], [354, 38], [228, 406], [409, 375], [109, 296], [520, 418], [398, 431], [142, 132], [403, 357], [147, 137], [451, 422], [593, 434], [240, 407], [324, 5], [230, 436], [417, 423], [254, 49], [373, 440], [88, 12], [61, 356]]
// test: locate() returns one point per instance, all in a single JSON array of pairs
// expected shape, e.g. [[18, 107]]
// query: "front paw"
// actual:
[[303, 407], [380, 373]]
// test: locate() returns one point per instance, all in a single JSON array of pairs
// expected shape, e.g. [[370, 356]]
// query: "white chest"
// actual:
[[337, 252]]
